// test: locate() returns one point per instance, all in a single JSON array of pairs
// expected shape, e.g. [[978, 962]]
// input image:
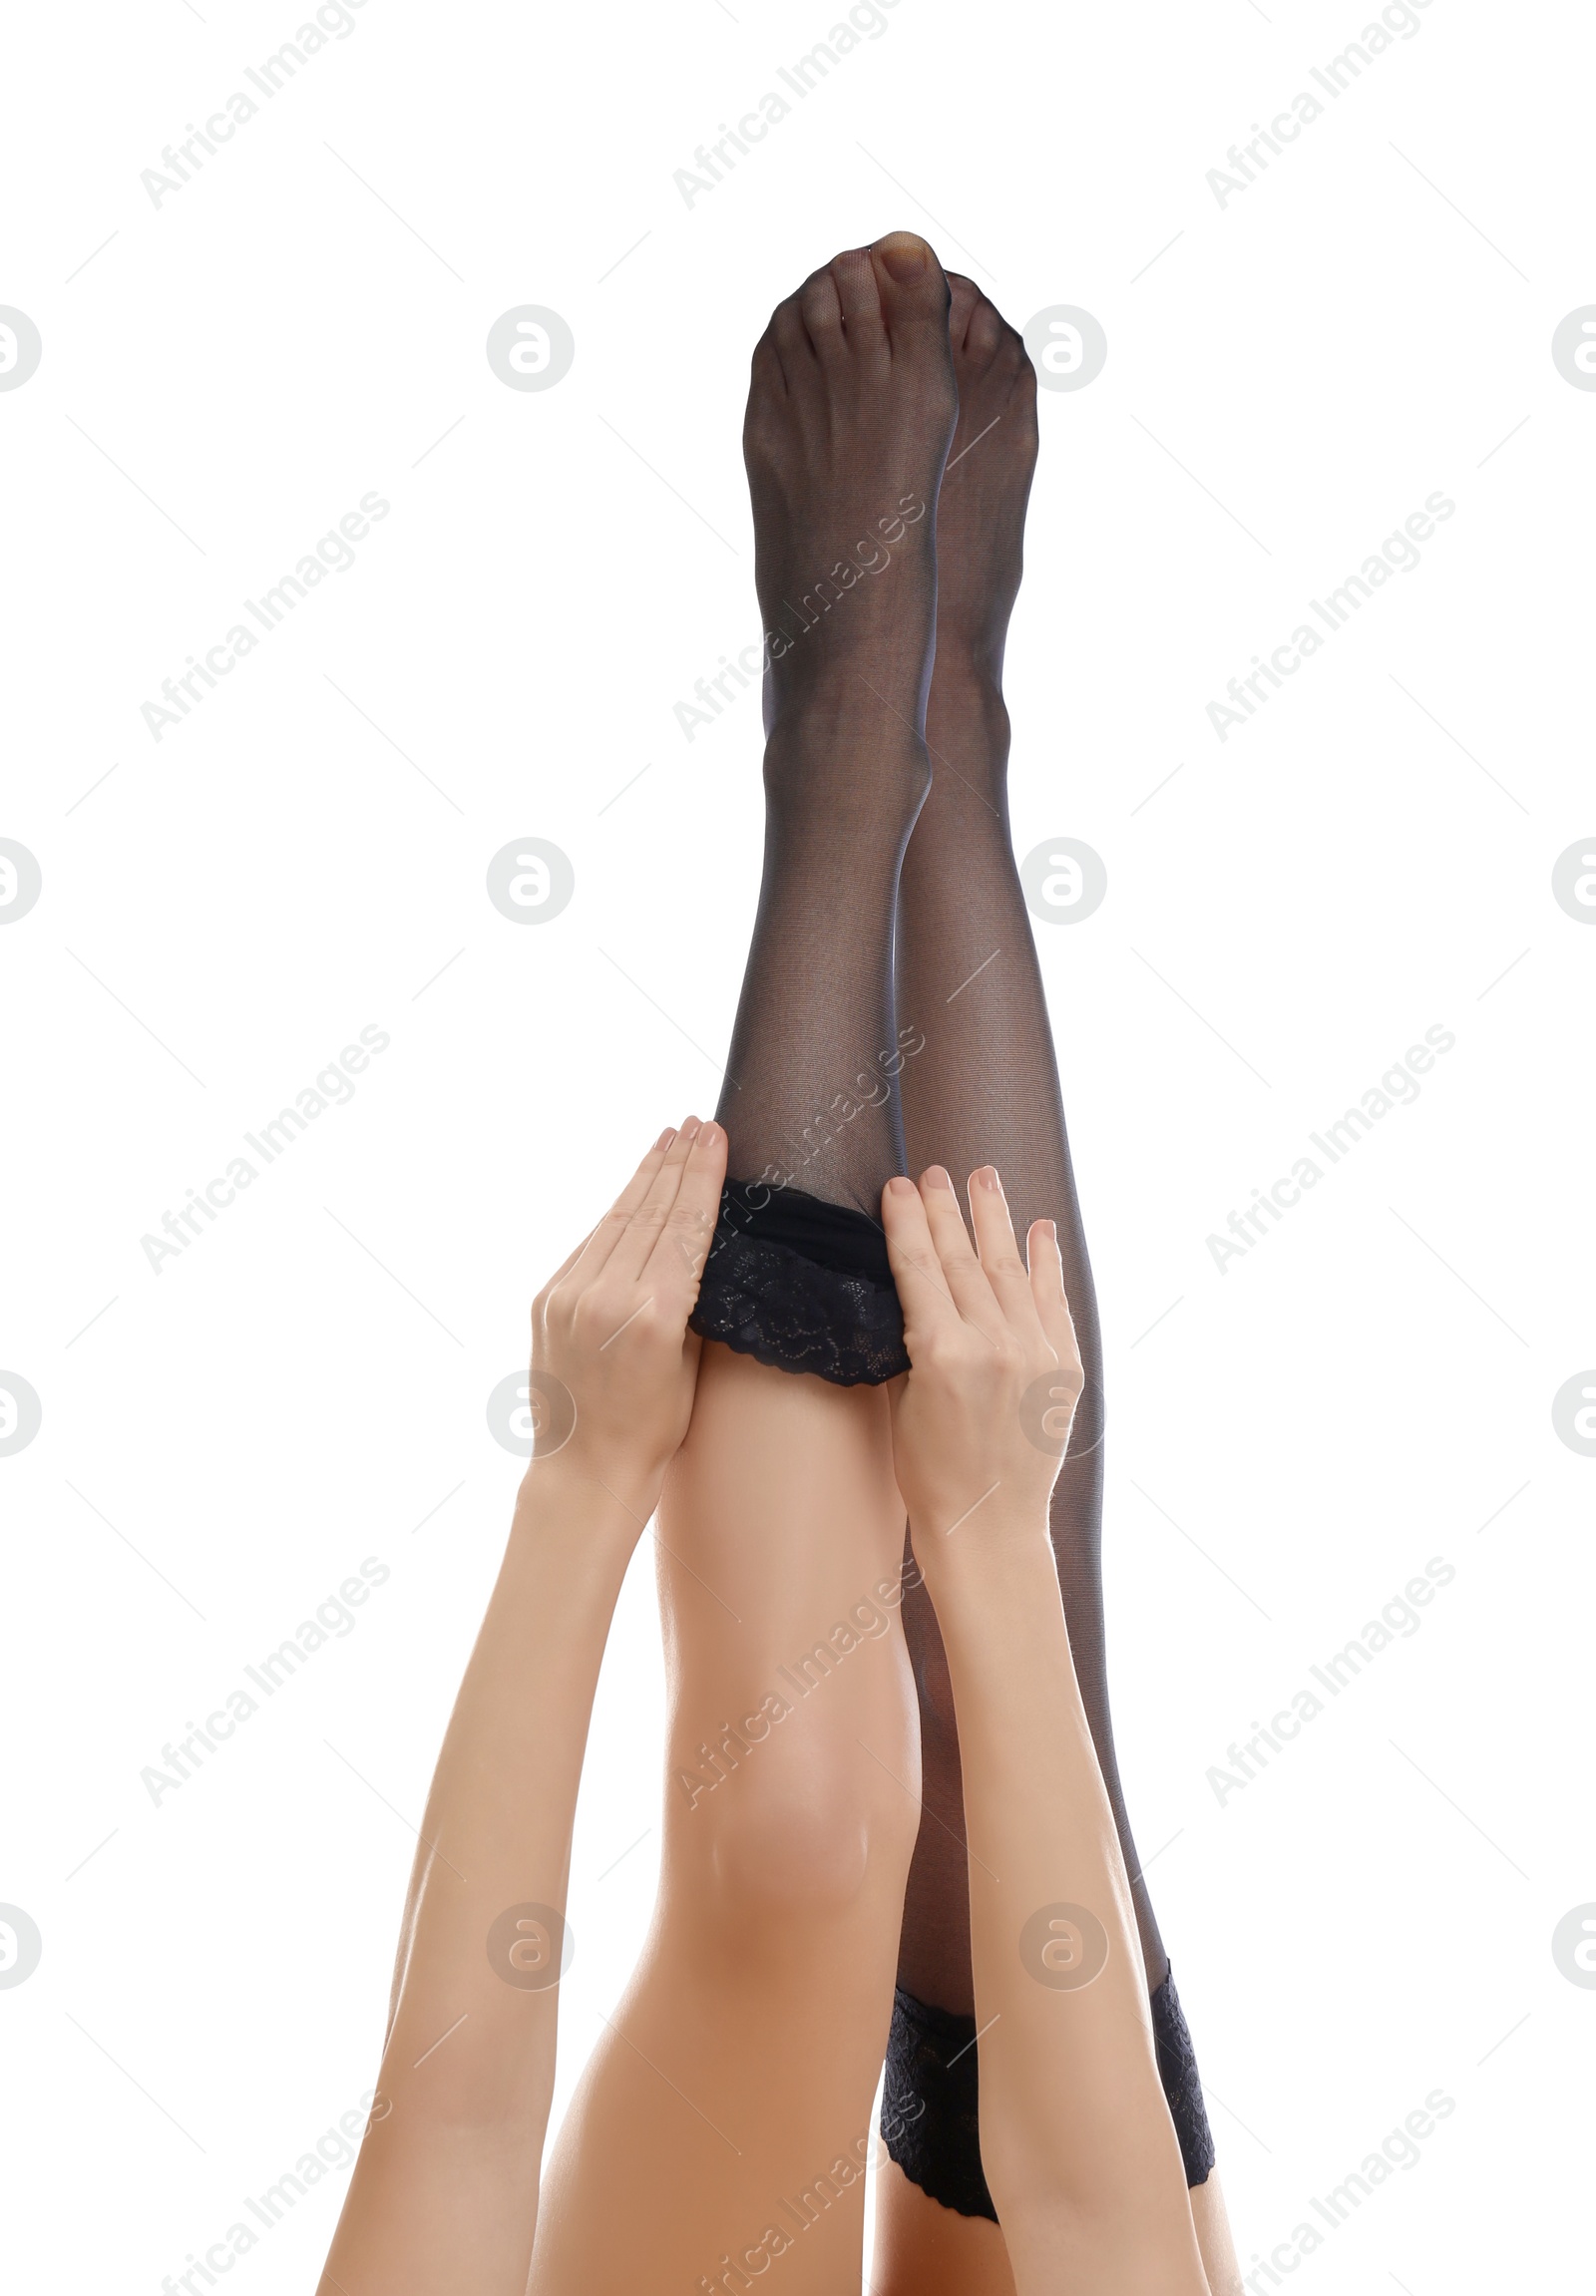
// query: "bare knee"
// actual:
[[797, 1827]]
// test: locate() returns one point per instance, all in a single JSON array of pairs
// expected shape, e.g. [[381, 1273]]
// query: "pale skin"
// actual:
[[741, 2060], [1076, 2142], [1076, 2138], [444, 2193]]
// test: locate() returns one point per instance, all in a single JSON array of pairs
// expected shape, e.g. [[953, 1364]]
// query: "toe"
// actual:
[[963, 295], [793, 346], [914, 292], [853, 277], [984, 332], [822, 307], [765, 378]]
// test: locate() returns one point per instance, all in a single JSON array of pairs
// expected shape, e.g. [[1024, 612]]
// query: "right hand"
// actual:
[[981, 1424], [610, 1325]]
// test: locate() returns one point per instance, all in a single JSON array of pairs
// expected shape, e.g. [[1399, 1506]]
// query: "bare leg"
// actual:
[[736, 2083], [444, 2195], [985, 1088]]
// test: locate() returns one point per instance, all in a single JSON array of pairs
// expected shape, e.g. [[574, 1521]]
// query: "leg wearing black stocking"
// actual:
[[986, 1089], [849, 418]]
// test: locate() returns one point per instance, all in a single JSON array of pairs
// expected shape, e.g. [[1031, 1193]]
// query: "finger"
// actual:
[[597, 1245], [1000, 1254], [1047, 1291], [973, 1295], [677, 1260], [645, 1219], [921, 1287]]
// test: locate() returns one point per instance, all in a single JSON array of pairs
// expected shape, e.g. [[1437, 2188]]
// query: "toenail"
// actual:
[[904, 254]]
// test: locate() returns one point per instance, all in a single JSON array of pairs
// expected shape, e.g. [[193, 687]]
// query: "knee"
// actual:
[[798, 1826]]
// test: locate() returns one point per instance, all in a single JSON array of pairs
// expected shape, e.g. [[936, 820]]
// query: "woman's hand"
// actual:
[[613, 1364], [981, 1422]]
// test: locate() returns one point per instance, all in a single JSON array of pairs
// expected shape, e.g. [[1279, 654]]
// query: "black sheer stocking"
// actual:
[[986, 1091], [842, 1074]]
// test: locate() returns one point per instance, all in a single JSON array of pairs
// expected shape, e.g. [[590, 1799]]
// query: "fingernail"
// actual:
[[709, 1135], [691, 1128], [987, 1178], [935, 1176], [665, 1138], [1052, 1227], [898, 1186]]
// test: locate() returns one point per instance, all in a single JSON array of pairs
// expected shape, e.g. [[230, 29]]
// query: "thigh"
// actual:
[[791, 1713], [735, 2078]]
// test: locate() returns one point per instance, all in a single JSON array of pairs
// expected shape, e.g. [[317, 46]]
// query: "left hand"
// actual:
[[981, 1424], [610, 1325]]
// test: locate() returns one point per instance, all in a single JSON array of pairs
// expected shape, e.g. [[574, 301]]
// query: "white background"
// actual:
[[1288, 377]]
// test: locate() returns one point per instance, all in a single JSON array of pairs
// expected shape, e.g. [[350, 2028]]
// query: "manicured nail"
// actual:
[[935, 1176], [691, 1128], [987, 1178], [898, 1186], [665, 1138], [709, 1135]]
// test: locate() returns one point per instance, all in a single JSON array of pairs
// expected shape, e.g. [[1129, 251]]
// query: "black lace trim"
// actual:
[[930, 2105], [1178, 2070], [929, 2116], [801, 1284]]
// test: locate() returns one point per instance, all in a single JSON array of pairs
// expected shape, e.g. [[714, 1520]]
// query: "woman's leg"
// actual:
[[986, 1089], [723, 2121]]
